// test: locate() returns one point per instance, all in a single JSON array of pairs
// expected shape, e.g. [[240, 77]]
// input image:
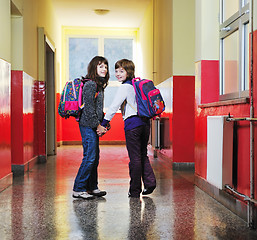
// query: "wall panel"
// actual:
[[5, 119]]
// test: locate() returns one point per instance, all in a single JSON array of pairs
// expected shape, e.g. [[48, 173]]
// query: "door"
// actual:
[[50, 101]]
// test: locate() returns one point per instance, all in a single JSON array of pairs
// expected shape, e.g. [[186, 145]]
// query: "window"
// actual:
[[83, 49], [234, 49], [116, 49]]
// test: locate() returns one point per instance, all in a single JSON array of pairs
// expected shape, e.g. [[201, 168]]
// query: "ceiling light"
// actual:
[[101, 11]]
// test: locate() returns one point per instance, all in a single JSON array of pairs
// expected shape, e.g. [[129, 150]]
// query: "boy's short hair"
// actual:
[[128, 65]]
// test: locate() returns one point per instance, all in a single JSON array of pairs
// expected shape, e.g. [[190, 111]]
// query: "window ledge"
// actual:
[[225, 103]]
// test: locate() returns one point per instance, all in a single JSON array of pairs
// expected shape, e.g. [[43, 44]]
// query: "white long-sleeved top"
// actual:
[[125, 92]]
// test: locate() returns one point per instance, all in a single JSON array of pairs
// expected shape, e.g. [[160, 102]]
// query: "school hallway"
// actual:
[[39, 205]]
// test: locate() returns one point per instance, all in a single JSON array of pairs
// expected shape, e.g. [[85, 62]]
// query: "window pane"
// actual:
[[81, 51], [231, 60], [246, 57], [245, 2], [230, 7], [116, 49]]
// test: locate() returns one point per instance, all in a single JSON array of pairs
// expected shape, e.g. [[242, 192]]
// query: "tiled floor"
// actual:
[[40, 206]]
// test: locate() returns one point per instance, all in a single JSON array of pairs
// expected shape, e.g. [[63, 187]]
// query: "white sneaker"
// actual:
[[83, 195], [97, 192]]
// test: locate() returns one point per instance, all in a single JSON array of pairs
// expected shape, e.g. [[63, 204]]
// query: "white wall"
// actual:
[[206, 30], [254, 15], [5, 30], [183, 37]]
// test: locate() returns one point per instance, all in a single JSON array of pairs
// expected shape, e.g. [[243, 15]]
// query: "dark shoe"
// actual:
[[133, 196], [97, 193], [149, 190]]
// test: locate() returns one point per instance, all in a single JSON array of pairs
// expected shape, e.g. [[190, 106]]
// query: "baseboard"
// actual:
[[41, 159], [112, 142], [183, 166], [70, 142], [178, 166], [6, 181], [65, 143], [233, 204], [21, 169]]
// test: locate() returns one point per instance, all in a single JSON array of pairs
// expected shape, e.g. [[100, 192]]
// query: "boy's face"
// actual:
[[101, 69], [120, 74]]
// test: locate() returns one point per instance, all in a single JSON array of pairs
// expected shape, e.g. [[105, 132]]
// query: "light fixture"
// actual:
[[101, 11]]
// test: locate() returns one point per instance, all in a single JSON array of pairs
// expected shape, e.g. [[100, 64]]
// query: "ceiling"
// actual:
[[123, 13]]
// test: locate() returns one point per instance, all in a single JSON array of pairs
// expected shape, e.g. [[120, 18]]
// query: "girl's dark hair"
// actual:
[[92, 72], [128, 66]]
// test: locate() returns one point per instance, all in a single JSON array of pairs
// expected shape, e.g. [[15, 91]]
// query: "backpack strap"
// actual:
[[130, 106], [134, 80], [64, 93], [80, 93], [125, 101], [81, 105]]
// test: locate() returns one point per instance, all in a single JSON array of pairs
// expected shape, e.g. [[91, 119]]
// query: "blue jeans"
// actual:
[[86, 179]]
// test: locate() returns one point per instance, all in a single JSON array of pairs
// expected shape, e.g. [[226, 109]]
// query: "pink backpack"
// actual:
[[149, 99], [71, 99]]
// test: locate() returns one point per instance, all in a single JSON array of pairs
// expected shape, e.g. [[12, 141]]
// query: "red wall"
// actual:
[[183, 122], [28, 117], [5, 119], [255, 104], [209, 93], [39, 103], [209, 83], [68, 129], [17, 117], [180, 110], [209, 70], [22, 115]]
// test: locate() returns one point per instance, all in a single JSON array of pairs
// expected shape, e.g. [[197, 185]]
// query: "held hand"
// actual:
[[101, 130], [108, 126]]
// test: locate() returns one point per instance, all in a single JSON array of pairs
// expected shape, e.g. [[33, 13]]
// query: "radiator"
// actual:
[[219, 151], [155, 137]]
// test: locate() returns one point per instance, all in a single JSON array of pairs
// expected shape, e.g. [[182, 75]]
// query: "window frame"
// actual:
[[236, 22], [101, 39], [134, 56]]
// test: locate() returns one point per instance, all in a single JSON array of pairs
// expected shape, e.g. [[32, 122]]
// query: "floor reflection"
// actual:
[[142, 217], [87, 215], [39, 205]]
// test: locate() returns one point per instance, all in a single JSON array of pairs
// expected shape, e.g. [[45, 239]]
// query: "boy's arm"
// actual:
[[119, 98]]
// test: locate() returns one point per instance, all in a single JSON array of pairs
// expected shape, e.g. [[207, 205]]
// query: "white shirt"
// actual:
[[125, 92]]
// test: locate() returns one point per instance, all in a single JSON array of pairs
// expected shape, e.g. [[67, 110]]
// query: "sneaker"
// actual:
[[147, 191], [97, 192], [83, 195]]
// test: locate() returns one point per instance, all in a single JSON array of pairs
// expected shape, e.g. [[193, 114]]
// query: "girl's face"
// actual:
[[101, 69], [120, 74]]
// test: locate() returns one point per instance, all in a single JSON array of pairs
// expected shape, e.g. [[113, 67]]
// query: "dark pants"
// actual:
[[139, 165]]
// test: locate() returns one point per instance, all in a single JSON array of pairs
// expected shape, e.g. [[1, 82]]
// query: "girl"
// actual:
[[86, 183], [137, 130]]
